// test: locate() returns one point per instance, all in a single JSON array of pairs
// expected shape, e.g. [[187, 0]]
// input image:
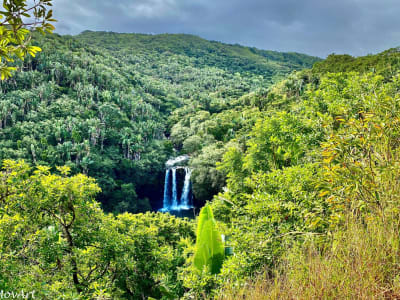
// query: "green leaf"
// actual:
[[209, 246]]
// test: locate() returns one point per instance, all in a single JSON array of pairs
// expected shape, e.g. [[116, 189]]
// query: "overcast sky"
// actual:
[[316, 27]]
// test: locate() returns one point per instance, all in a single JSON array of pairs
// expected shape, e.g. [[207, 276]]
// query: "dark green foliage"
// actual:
[[207, 180], [102, 102], [232, 58]]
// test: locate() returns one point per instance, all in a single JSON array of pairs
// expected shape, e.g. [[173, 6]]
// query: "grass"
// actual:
[[362, 262]]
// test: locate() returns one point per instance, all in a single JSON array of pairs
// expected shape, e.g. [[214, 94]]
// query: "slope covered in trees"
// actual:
[[310, 168], [312, 192], [385, 63], [302, 174], [101, 104], [232, 58]]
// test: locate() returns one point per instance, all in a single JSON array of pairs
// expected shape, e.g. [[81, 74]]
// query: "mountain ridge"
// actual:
[[85, 32], [232, 57]]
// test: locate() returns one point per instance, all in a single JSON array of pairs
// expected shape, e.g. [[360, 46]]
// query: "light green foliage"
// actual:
[[279, 206], [360, 158], [351, 144], [209, 247], [278, 141], [17, 21], [55, 239], [386, 64]]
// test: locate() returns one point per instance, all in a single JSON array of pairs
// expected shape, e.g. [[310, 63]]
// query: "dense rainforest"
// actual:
[[116, 107], [297, 158]]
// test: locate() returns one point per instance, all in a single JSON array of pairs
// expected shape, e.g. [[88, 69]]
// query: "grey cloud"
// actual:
[[316, 27]]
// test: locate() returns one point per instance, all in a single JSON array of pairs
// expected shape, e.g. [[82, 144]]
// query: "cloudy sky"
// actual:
[[316, 27]]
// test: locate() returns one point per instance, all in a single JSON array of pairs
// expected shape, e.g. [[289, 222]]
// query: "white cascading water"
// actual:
[[174, 191], [170, 201], [185, 201], [166, 200]]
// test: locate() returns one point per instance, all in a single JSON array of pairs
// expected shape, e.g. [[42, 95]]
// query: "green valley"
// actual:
[[286, 164], [107, 107]]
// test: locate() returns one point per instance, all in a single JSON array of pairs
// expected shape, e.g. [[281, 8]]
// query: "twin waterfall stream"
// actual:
[[171, 201]]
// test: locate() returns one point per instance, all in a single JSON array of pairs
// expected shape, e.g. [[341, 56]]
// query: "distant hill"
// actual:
[[386, 63], [234, 58]]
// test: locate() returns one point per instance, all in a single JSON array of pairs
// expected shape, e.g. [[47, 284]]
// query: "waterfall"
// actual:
[[166, 200], [170, 200], [185, 203], [174, 191]]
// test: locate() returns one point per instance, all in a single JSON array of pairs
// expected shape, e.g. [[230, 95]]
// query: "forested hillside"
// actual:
[[101, 103], [231, 58], [312, 192], [300, 174]]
